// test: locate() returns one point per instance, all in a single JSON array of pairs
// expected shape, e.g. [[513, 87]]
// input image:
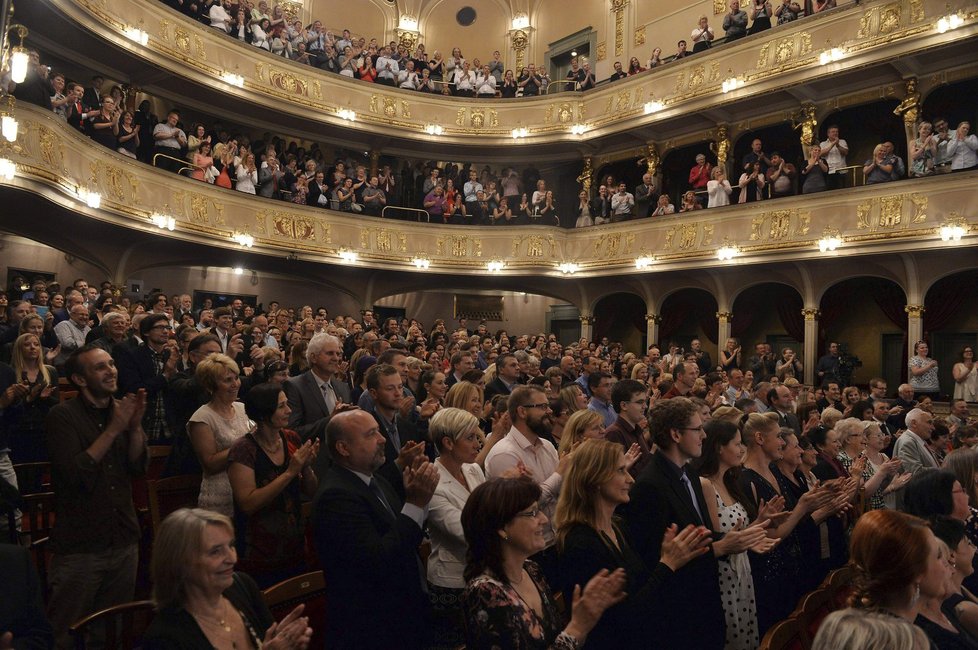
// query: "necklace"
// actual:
[[221, 619], [270, 449]]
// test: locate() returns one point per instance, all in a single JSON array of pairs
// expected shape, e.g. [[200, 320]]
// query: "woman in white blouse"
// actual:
[[718, 188], [457, 437], [247, 175]]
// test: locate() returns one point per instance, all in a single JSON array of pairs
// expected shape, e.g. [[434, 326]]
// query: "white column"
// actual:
[[723, 329], [652, 329], [915, 326], [587, 322], [811, 343]]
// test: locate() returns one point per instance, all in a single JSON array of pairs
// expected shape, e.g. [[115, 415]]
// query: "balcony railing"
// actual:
[[55, 161], [861, 35]]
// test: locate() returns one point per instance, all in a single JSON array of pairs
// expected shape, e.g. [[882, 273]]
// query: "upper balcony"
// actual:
[[62, 174], [823, 56]]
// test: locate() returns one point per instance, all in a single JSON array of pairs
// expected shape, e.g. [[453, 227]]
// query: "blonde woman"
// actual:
[[573, 398], [24, 418], [215, 427], [590, 540], [718, 188], [581, 425]]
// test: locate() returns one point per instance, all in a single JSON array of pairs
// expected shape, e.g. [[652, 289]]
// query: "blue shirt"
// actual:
[[604, 410]]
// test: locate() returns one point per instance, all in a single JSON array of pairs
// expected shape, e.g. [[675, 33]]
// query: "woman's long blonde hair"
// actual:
[[17, 358], [574, 428], [594, 463]]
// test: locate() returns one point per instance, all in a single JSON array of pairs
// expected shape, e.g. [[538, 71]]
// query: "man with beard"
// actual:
[[525, 448]]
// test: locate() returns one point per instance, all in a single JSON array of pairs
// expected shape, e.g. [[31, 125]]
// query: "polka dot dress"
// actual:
[[737, 586]]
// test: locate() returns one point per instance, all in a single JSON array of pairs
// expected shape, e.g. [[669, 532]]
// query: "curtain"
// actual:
[[789, 305], [945, 298], [618, 308], [698, 306], [891, 301]]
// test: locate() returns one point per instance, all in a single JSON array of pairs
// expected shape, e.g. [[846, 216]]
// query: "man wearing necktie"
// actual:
[[314, 395], [666, 492], [779, 400], [367, 539]]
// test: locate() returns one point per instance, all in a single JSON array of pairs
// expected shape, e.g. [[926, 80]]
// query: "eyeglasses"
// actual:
[[541, 405], [161, 327], [529, 514], [699, 428]]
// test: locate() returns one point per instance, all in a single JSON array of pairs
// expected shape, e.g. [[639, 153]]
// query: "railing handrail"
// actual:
[[427, 216], [184, 164]]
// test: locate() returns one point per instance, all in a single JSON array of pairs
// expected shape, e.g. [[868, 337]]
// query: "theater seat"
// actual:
[[308, 589], [124, 625]]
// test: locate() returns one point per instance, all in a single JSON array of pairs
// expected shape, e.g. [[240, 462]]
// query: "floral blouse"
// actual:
[[496, 617], [875, 500]]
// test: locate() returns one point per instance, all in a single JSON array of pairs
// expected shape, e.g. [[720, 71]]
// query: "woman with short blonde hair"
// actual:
[[215, 426], [581, 425], [201, 602]]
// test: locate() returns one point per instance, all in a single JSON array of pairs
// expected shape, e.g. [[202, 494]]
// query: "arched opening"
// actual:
[[951, 322], [688, 314], [946, 102], [779, 138], [866, 317], [769, 313], [676, 166], [621, 318], [864, 127], [628, 171]]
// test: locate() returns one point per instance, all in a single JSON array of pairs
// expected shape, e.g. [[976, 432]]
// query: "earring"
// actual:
[[506, 539], [916, 594]]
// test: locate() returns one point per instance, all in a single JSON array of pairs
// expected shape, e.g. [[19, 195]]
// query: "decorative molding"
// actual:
[[724, 316], [811, 314], [914, 311]]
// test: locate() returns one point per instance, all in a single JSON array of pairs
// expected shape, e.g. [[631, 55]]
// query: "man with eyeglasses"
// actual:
[[629, 398], [668, 493], [150, 366], [527, 450]]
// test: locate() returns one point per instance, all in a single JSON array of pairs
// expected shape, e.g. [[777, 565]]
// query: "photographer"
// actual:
[[828, 365]]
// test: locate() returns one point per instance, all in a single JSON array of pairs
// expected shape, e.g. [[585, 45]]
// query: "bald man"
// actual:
[[367, 540]]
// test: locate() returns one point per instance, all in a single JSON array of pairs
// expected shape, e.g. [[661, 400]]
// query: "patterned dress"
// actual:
[[737, 585], [497, 618], [215, 489]]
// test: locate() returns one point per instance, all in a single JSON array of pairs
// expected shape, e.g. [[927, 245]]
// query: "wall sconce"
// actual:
[[348, 256], [92, 199], [830, 240], [644, 262], [243, 239], [137, 35], [347, 114], [731, 83], [727, 252], [953, 229], [433, 129], [521, 21], [422, 263], [8, 123], [238, 270], [163, 221], [19, 59], [495, 266], [579, 129], [653, 106], [233, 79], [949, 22], [831, 55], [7, 169], [568, 268], [408, 23], [520, 132]]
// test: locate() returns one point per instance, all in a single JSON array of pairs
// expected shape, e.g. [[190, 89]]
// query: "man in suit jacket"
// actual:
[[315, 394], [644, 197], [668, 492], [779, 401], [22, 620], [404, 442], [507, 376], [318, 194], [911, 446], [367, 539]]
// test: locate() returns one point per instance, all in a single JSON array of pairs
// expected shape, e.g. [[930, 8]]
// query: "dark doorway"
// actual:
[[893, 355]]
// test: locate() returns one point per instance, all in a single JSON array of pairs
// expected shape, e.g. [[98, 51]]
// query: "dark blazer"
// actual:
[[22, 613], [789, 420], [175, 629], [644, 200], [496, 387], [309, 413], [586, 551], [315, 191], [370, 558], [407, 431], [692, 616]]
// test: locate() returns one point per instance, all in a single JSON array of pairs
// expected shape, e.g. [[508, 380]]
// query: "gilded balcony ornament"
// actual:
[[618, 7], [806, 44], [762, 57], [696, 77], [261, 219], [719, 7], [866, 23], [909, 108], [714, 71], [707, 234], [804, 223], [784, 51], [916, 11], [219, 213], [756, 224], [890, 18], [920, 207], [780, 224], [805, 120], [640, 36], [585, 179], [721, 146], [390, 107], [602, 51], [651, 160], [198, 208], [891, 211], [724, 316], [862, 214], [405, 110], [687, 235]]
